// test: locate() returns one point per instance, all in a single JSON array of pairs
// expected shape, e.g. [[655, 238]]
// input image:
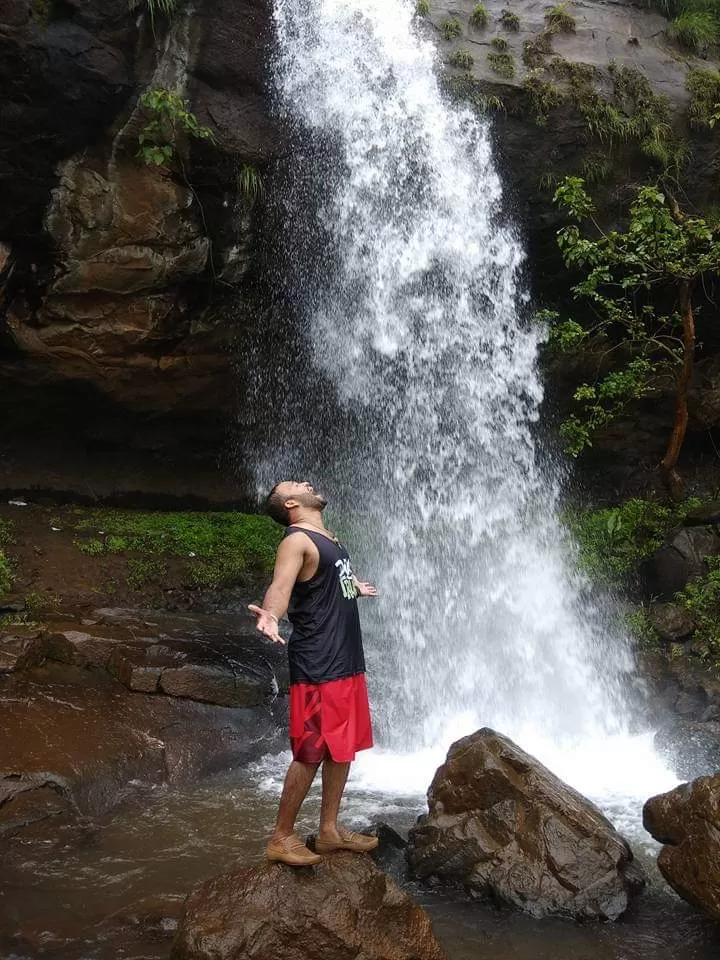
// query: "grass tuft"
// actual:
[[559, 20], [462, 59], [422, 8], [510, 20], [696, 30], [451, 28], [534, 51], [479, 17], [502, 63], [704, 89]]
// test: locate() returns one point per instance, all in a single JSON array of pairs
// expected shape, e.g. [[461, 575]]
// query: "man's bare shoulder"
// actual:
[[293, 544]]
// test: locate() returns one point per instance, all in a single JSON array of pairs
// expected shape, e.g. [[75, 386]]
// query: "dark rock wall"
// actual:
[[125, 289]]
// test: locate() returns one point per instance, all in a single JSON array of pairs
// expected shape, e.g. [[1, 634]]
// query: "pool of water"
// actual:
[[115, 893]]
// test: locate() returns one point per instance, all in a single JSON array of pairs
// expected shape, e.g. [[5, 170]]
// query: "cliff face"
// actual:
[[125, 287], [127, 290], [547, 84]]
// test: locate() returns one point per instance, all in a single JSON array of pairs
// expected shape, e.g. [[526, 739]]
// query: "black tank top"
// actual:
[[326, 643]]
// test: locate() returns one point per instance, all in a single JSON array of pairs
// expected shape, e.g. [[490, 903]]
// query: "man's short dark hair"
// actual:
[[275, 506]]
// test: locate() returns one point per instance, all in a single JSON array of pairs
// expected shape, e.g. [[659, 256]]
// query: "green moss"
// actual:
[[613, 540], [510, 20], [704, 89], [422, 8], [217, 548], [462, 59], [480, 16], [559, 20], [144, 571], [502, 63], [500, 44], [451, 28], [535, 50]]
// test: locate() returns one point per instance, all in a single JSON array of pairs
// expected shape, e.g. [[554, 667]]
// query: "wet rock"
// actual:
[[679, 560], [344, 908], [27, 650], [687, 821], [701, 516], [501, 824], [691, 749], [20, 653], [671, 622], [23, 807]]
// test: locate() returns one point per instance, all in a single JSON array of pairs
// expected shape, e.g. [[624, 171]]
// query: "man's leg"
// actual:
[[334, 778], [331, 835], [298, 781]]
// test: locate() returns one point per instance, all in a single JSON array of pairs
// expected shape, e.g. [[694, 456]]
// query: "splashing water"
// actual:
[[414, 404]]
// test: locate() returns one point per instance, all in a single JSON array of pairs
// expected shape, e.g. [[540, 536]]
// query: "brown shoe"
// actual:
[[292, 851], [349, 840]]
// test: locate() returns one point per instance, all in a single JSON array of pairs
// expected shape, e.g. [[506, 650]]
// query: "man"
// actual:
[[329, 714]]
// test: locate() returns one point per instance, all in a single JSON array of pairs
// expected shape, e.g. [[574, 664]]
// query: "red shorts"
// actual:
[[330, 720]]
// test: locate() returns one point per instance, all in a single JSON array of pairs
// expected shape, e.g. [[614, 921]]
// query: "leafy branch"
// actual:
[[630, 277], [169, 120]]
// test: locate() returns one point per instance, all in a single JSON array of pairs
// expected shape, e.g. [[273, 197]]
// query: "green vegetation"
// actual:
[[6, 575], [480, 16], [559, 20], [694, 23], [462, 59], [704, 89], [422, 8], [697, 30], [500, 43], [638, 624], [502, 63], [596, 168], [577, 74], [169, 120], [639, 284], [217, 549], [612, 541], [451, 28], [6, 572], [534, 51], [469, 89], [543, 95], [510, 20], [701, 599], [250, 183], [635, 112]]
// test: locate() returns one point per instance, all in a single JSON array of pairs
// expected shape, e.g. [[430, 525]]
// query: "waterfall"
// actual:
[[412, 394]]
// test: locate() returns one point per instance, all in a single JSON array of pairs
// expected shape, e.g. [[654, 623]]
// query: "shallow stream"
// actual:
[[117, 894]]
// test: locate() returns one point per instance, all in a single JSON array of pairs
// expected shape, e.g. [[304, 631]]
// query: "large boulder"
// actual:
[[680, 559], [344, 909], [687, 821], [503, 825]]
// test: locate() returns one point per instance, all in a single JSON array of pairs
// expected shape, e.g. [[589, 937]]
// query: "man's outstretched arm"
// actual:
[[288, 563]]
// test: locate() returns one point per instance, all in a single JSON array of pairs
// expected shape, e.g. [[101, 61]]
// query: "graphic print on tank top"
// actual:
[[326, 642]]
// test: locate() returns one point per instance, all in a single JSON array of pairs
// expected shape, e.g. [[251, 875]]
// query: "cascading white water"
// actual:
[[413, 315]]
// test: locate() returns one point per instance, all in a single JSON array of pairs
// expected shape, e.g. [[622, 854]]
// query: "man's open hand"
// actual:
[[365, 589], [267, 624]]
